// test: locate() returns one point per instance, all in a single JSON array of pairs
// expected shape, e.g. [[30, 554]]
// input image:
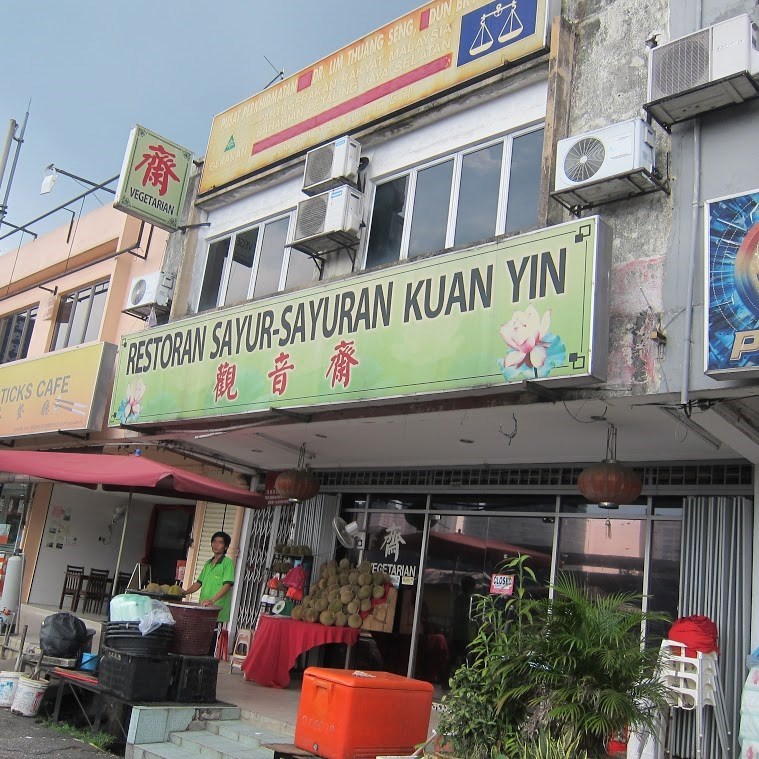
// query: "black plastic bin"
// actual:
[[126, 637], [135, 678], [193, 679]]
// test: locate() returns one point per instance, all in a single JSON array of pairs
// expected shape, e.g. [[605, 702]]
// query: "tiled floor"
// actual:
[[279, 705]]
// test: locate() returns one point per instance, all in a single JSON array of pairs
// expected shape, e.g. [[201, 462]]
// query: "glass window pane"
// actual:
[[241, 268], [524, 181], [62, 322], [301, 269], [209, 292], [388, 216], [16, 334], [604, 554], [92, 328], [478, 195], [79, 317], [429, 219], [664, 573], [270, 257]]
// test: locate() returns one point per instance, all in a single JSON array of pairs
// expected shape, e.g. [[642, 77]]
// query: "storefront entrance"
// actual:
[[443, 550]]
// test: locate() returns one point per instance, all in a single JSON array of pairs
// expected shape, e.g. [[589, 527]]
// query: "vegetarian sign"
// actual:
[[531, 307]]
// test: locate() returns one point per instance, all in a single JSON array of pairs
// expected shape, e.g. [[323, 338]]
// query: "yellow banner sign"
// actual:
[[59, 391], [443, 44]]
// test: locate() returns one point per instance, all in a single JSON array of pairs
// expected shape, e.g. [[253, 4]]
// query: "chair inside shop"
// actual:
[[122, 580], [94, 592], [72, 585]]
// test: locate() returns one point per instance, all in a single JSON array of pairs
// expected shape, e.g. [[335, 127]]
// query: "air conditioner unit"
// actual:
[[331, 165], [150, 291], [607, 164], [329, 221], [709, 69]]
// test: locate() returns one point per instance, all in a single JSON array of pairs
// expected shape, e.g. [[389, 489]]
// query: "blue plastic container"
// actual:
[[89, 662]]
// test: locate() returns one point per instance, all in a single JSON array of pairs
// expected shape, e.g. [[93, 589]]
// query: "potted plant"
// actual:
[[563, 671]]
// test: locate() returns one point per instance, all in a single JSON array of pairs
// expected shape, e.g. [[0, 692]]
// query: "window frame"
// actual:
[[69, 324], [232, 235], [458, 155], [32, 314]]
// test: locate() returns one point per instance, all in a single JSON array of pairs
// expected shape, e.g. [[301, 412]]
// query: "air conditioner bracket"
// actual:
[[631, 185]]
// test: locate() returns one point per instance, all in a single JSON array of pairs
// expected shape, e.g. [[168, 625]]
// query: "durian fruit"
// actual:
[[385, 578], [346, 595], [378, 591], [306, 600], [354, 606], [153, 587], [327, 618], [344, 563], [312, 615], [353, 577], [297, 612], [365, 578], [335, 606], [176, 590], [323, 583], [343, 578], [321, 604], [333, 595], [355, 621], [366, 604], [341, 619], [364, 567], [365, 591], [166, 590]]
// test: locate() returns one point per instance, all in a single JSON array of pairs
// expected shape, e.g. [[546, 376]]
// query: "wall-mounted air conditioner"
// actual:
[[329, 221], [331, 165], [607, 164], [709, 69], [150, 291]]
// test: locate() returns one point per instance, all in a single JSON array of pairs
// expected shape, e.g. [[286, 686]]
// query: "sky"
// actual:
[[92, 69]]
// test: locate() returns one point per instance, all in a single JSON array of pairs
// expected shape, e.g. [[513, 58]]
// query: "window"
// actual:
[[254, 263], [79, 316], [470, 196], [16, 334]]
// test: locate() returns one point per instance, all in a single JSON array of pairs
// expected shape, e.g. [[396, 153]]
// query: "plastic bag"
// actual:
[[159, 614], [62, 635]]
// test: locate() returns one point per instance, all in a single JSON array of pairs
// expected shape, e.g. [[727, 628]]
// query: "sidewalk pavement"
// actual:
[[25, 737]]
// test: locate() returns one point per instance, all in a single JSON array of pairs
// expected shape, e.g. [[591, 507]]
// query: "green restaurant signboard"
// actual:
[[532, 307], [153, 180]]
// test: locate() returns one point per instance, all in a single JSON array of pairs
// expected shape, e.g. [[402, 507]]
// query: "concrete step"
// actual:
[[214, 746], [245, 732], [161, 751]]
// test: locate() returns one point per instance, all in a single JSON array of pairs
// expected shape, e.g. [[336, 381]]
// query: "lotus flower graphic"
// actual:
[[532, 350], [129, 409]]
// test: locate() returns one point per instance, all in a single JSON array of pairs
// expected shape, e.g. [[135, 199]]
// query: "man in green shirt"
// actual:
[[216, 578]]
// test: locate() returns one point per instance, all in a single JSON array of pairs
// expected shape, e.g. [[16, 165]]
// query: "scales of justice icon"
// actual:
[[512, 27]]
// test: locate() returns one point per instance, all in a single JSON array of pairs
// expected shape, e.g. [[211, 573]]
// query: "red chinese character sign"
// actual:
[[154, 177]]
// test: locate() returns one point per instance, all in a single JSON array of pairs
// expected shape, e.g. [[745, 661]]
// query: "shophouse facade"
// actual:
[[453, 319]]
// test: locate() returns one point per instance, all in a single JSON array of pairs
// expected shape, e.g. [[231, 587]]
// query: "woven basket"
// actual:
[[194, 628]]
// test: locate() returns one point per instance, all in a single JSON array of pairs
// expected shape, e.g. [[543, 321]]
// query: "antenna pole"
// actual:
[[19, 141]]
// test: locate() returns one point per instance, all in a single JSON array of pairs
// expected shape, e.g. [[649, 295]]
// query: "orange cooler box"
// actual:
[[350, 714]]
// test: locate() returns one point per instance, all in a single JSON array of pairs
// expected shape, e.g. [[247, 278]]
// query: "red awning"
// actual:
[[126, 473]]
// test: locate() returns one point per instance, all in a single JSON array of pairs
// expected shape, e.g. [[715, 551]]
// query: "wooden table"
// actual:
[[278, 643]]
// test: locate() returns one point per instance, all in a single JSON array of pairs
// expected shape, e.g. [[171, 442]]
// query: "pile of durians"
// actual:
[[341, 593]]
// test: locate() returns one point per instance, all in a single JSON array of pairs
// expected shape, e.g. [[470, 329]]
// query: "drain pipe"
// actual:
[[695, 206]]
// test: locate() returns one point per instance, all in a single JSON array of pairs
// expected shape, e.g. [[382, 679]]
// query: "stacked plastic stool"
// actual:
[[695, 684]]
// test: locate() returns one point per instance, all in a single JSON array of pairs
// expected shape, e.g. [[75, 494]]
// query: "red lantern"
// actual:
[[609, 483], [297, 484]]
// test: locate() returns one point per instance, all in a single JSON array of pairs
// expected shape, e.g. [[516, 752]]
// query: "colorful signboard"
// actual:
[[532, 307], [439, 46], [64, 390], [502, 585], [732, 286], [153, 180]]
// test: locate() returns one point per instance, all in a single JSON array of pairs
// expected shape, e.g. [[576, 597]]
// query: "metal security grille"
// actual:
[[715, 580], [218, 516], [733, 478]]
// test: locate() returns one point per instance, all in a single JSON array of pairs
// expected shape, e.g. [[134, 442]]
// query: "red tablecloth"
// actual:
[[280, 640]]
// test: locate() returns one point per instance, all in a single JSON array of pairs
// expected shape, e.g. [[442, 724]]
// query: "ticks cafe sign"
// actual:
[[60, 391], [532, 307], [443, 44]]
